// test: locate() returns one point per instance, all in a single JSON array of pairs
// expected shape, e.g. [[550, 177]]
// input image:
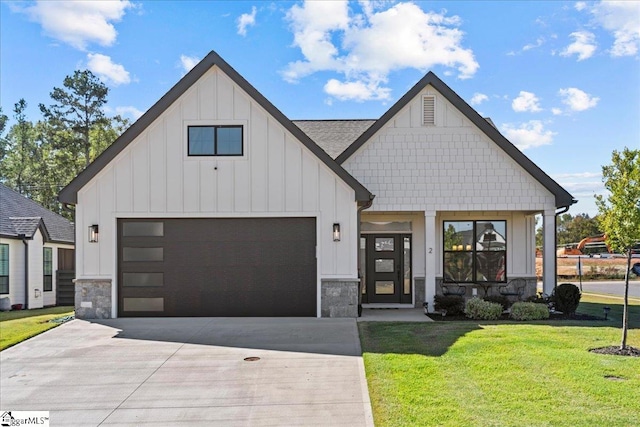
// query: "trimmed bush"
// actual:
[[454, 304], [529, 311], [498, 299], [566, 298], [479, 309]]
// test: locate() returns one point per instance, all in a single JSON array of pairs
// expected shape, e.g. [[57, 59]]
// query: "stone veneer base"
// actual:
[[93, 298], [339, 297]]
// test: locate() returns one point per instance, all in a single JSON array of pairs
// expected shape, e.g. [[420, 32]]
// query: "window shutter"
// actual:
[[428, 110]]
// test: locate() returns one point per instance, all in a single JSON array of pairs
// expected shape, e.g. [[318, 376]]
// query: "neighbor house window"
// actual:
[[4, 269], [475, 251], [47, 268], [215, 140]]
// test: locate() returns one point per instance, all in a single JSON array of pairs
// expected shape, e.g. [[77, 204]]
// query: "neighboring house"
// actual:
[[35, 245], [215, 204]]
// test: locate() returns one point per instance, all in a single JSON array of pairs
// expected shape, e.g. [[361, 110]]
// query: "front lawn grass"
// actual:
[[503, 373], [17, 326]]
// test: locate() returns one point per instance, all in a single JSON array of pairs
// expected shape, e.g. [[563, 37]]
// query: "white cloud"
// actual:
[[78, 23], [580, 6], [246, 20], [373, 44], [577, 175], [583, 45], [188, 62], [108, 71], [478, 98], [130, 111], [622, 19], [577, 100], [528, 135], [357, 91], [526, 101], [556, 111], [539, 42]]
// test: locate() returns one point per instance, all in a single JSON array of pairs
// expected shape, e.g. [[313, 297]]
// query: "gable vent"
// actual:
[[428, 110]]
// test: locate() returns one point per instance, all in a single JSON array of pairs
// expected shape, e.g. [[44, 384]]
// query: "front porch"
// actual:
[[405, 256]]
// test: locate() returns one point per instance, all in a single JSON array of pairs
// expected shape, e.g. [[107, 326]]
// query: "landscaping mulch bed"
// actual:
[[615, 350], [553, 316]]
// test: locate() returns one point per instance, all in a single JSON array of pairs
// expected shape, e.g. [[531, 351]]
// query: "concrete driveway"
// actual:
[[191, 371]]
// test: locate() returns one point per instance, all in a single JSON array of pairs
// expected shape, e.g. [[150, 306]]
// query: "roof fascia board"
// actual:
[[69, 194], [562, 197]]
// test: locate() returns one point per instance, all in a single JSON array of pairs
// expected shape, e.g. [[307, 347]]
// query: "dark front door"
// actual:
[[388, 268]]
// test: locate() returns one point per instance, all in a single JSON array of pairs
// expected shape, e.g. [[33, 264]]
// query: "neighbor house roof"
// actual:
[[563, 198], [22, 216], [69, 194]]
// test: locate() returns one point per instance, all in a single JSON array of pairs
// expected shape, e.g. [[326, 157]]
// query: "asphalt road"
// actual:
[[613, 287]]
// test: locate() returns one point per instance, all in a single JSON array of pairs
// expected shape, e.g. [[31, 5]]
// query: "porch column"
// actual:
[[549, 252], [430, 236]]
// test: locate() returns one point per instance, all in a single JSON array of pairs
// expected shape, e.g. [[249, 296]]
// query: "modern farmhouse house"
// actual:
[[214, 203], [36, 253]]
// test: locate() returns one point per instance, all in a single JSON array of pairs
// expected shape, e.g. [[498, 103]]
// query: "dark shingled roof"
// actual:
[[333, 136], [20, 215]]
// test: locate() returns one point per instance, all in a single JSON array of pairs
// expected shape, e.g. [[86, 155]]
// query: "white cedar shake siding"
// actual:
[[277, 176], [448, 171]]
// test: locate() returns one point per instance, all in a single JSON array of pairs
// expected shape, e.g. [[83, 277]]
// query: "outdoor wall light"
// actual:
[[606, 312], [36, 293], [336, 232], [93, 233]]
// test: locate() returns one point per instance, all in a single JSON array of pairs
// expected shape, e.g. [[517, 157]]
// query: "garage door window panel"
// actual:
[[142, 254]]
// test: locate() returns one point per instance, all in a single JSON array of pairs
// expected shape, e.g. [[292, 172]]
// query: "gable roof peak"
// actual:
[[69, 194], [563, 198]]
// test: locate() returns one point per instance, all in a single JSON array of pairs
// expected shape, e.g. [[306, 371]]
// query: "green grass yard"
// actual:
[[503, 373], [17, 326]]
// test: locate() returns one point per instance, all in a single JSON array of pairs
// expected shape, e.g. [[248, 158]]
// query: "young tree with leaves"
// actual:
[[619, 213]]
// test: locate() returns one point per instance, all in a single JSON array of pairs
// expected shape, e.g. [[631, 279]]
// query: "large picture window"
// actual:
[[47, 268], [4, 269], [215, 140], [475, 251]]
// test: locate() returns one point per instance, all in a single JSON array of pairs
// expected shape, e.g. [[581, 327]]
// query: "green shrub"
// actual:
[[454, 304], [498, 299], [479, 309], [566, 298], [529, 311]]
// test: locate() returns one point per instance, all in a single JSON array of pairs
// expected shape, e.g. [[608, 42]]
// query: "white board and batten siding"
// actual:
[[276, 177], [453, 169]]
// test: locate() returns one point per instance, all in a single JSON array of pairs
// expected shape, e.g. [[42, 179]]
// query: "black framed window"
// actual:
[[4, 269], [475, 251], [47, 269], [215, 140]]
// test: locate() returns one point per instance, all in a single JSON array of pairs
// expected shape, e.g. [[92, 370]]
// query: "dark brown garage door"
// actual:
[[217, 267]]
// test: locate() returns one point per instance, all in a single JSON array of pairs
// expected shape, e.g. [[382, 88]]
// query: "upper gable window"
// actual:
[[225, 140], [428, 110]]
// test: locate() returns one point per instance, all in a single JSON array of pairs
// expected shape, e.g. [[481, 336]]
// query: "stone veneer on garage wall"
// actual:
[[93, 298], [340, 298]]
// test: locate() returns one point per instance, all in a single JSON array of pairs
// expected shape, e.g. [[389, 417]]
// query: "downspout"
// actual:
[[555, 242], [26, 270], [366, 205]]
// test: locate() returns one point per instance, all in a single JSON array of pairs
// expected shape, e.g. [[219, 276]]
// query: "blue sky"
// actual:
[[561, 80]]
